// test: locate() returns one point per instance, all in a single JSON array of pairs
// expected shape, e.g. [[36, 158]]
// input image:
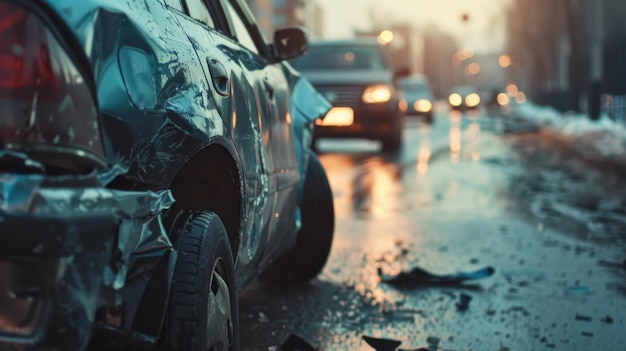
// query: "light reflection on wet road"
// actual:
[[449, 201]]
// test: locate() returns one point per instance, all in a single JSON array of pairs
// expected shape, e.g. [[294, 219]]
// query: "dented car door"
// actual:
[[235, 74]]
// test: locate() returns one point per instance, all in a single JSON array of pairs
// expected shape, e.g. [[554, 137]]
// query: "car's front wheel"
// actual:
[[307, 259], [203, 311]]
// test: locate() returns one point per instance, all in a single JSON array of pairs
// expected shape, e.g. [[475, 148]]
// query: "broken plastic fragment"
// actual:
[[418, 276], [392, 345], [607, 320], [463, 303], [382, 344], [580, 317]]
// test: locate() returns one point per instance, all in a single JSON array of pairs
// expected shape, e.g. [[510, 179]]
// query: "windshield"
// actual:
[[342, 58], [414, 86]]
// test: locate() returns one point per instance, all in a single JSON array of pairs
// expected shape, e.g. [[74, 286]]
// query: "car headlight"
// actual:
[[455, 99], [378, 93], [423, 105], [472, 100]]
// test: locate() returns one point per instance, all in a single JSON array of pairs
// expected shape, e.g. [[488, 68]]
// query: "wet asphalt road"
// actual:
[[468, 192]]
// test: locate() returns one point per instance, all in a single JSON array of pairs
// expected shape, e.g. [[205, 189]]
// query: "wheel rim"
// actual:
[[219, 313]]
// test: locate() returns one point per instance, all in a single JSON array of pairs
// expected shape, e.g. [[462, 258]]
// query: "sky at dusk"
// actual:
[[483, 32]]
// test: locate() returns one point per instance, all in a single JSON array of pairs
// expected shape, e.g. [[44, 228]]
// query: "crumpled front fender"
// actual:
[[307, 105]]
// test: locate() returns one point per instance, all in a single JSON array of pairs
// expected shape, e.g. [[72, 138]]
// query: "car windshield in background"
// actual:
[[409, 85], [340, 58]]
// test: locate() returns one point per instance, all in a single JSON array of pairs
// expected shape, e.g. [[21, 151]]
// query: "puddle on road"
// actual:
[[420, 176]]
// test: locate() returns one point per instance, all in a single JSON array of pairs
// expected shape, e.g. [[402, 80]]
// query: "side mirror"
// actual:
[[289, 43]]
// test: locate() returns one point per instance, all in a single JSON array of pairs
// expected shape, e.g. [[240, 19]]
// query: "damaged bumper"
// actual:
[[65, 248]]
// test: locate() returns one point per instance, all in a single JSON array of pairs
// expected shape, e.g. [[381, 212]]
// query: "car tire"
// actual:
[[307, 259], [203, 295]]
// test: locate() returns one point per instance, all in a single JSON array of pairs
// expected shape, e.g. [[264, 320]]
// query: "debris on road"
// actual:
[[607, 320], [382, 344], [580, 317], [392, 345], [418, 276], [296, 343], [464, 300]]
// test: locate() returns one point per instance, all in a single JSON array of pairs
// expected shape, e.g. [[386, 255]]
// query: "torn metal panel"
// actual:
[[151, 89], [59, 237], [420, 277], [307, 105]]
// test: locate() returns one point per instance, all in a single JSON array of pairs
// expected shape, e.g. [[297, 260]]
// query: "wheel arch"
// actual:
[[211, 180]]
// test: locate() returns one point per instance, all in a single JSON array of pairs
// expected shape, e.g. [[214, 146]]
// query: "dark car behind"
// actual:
[[464, 97], [418, 96], [357, 76]]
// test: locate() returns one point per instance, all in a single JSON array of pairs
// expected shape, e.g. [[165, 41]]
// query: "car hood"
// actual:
[[348, 77]]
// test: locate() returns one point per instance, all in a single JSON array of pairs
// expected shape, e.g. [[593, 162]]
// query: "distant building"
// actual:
[[566, 57], [314, 22], [299, 13], [276, 14], [440, 66], [406, 46]]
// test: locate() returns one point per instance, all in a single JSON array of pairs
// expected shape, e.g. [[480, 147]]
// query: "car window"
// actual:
[[242, 33], [198, 10], [341, 58], [413, 85]]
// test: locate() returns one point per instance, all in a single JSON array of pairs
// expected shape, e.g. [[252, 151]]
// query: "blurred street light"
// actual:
[[472, 69], [385, 37], [464, 54], [504, 60], [512, 90]]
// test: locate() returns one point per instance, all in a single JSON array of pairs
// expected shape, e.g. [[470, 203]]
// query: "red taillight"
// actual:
[[22, 63], [11, 18], [46, 108]]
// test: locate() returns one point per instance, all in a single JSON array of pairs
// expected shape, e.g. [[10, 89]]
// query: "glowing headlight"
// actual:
[[472, 100], [376, 94], [423, 105], [455, 99]]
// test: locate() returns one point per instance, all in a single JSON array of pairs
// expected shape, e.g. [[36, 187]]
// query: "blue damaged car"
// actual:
[[154, 159]]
